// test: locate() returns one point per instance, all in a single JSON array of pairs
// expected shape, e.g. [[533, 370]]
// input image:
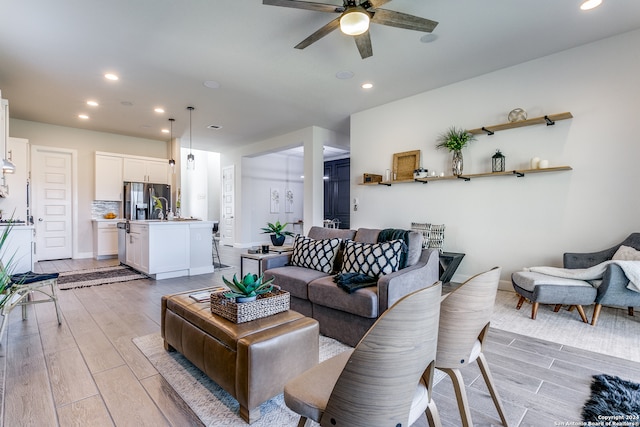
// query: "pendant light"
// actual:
[[172, 162], [190, 158]]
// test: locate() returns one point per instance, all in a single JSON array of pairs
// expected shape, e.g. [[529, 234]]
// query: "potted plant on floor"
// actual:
[[277, 232], [248, 289], [455, 140]]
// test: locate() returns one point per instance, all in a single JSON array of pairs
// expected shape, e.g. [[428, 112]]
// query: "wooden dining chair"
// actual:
[[464, 321], [386, 380]]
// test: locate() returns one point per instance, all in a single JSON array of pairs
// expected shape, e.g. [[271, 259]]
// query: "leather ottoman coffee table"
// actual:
[[251, 361]]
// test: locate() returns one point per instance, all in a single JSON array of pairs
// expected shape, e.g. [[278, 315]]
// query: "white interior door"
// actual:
[[52, 203], [228, 200]]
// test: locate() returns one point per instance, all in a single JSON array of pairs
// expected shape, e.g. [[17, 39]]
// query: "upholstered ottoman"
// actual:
[[251, 361], [544, 289]]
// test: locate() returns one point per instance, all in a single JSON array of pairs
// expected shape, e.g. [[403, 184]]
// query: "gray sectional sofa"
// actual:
[[342, 315]]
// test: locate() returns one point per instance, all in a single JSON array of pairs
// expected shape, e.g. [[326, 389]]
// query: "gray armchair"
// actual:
[[613, 289]]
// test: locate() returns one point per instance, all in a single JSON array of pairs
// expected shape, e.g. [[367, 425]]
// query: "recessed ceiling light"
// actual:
[[590, 4], [111, 76], [92, 103], [428, 38], [165, 131], [367, 85], [159, 110], [83, 116], [212, 84], [344, 75]]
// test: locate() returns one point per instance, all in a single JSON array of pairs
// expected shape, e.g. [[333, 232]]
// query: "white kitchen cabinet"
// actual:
[[146, 170], [105, 239], [166, 249], [138, 247], [19, 245], [108, 177]]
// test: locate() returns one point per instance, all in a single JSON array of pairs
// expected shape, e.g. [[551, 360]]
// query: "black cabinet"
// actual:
[[336, 191]]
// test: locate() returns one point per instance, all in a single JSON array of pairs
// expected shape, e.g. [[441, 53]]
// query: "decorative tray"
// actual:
[[273, 302]]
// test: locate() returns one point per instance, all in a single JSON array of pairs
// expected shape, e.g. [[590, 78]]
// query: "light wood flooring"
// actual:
[[87, 372]]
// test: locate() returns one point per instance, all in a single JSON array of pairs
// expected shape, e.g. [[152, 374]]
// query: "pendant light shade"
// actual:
[[172, 162], [190, 157]]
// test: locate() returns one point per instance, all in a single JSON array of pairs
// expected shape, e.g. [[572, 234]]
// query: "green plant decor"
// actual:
[[5, 269], [277, 229], [250, 286], [455, 139]]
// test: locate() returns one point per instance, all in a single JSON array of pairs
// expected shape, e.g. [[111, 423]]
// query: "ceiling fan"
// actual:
[[354, 20]]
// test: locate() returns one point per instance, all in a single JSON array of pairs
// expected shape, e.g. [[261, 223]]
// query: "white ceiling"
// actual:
[[53, 55]]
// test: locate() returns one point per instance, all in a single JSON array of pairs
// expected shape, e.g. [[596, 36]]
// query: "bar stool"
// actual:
[[19, 290], [214, 250]]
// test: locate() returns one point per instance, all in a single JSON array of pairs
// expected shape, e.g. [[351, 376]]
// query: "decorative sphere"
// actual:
[[517, 114]]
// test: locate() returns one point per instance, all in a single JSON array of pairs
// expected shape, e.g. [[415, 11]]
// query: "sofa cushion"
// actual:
[[363, 302], [370, 235], [319, 233], [316, 254], [372, 259], [294, 279]]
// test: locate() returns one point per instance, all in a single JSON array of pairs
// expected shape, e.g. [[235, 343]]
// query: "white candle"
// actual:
[[535, 163], [543, 164]]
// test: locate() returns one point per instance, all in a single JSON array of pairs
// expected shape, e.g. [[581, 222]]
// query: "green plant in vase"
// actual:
[[249, 288], [277, 232], [455, 140]]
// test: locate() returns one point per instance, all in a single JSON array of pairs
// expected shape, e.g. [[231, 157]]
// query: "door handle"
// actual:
[[40, 219]]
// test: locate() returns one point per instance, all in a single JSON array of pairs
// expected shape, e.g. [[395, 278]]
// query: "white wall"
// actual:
[[516, 222], [260, 176], [86, 143], [200, 187], [313, 139]]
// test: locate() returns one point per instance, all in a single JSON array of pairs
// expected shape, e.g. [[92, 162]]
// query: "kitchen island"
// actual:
[[167, 249]]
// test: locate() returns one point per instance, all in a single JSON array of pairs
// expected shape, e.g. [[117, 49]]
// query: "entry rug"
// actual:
[[213, 405], [97, 277], [613, 401]]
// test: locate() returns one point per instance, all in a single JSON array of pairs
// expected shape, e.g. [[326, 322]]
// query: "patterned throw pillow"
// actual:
[[372, 259], [626, 253], [315, 254]]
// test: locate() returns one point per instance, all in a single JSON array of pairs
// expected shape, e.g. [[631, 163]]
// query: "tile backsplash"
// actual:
[[101, 207]]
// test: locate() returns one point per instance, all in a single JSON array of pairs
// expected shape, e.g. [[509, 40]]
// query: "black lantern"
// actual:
[[497, 162]]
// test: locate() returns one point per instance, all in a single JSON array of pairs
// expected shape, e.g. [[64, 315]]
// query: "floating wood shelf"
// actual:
[[469, 177], [548, 120]]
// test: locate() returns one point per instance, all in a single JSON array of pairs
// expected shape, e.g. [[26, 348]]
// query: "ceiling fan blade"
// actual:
[[403, 20], [319, 34], [363, 41], [319, 7]]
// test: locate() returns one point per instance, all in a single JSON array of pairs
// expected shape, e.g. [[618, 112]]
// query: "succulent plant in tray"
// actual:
[[248, 288]]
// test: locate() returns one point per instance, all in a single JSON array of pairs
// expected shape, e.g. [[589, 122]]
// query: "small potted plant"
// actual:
[[248, 289], [277, 232], [455, 140]]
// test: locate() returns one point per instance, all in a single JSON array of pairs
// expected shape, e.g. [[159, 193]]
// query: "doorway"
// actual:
[[337, 191], [53, 207]]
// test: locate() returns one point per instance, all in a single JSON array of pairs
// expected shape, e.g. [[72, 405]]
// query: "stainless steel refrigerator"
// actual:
[[139, 202]]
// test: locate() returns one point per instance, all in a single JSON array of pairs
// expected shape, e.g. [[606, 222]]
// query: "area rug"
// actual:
[[213, 405], [616, 333], [97, 277], [613, 401]]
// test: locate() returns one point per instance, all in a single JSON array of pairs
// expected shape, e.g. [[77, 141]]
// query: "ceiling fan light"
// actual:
[[590, 4], [354, 22]]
